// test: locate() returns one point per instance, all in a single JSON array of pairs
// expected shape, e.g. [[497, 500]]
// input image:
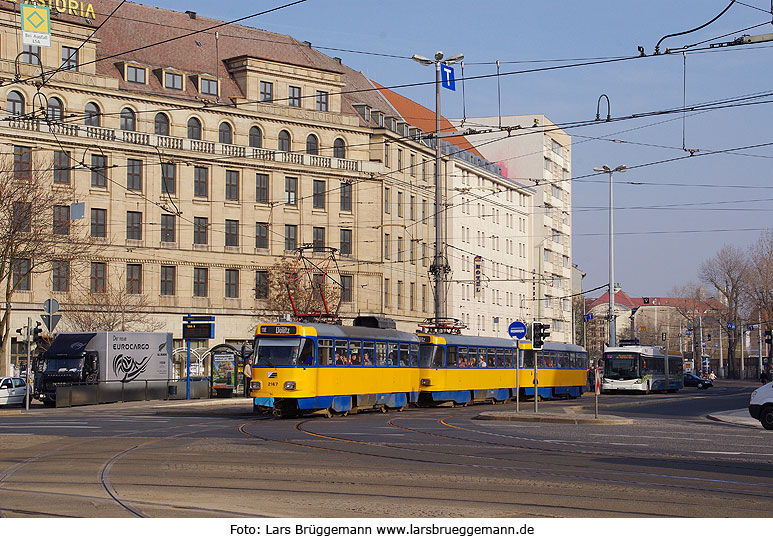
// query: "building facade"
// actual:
[[203, 163], [536, 153]]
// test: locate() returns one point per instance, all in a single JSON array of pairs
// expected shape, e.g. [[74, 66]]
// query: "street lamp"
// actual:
[[612, 321], [439, 269]]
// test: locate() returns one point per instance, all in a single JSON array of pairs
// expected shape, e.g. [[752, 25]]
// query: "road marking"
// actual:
[[734, 453], [370, 434], [25, 426], [627, 445]]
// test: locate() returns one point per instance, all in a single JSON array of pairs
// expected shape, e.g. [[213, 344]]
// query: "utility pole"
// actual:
[[439, 269], [759, 340], [721, 361], [612, 318], [743, 342], [29, 364]]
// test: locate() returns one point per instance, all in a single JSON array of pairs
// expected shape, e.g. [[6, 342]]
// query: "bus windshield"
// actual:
[[273, 352], [621, 366]]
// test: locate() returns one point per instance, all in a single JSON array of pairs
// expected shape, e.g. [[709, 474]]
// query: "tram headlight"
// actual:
[[289, 385], [426, 382], [256, 385]]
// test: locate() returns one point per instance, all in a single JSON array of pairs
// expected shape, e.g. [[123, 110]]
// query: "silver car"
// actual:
[[13, 390]]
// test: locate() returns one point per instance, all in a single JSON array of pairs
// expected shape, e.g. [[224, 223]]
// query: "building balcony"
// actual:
[[153, 141]]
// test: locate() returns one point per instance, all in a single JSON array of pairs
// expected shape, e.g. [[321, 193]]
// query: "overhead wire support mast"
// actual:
[[440, 268]]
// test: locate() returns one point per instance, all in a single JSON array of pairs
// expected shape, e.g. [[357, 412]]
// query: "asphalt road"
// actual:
[[165, 460]]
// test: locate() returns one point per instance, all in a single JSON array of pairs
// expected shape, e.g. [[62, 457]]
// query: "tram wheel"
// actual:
[[344, 413], [327, 413], [383, 409]]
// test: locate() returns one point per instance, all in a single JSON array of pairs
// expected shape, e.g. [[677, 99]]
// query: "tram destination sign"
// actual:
[[279, 330]]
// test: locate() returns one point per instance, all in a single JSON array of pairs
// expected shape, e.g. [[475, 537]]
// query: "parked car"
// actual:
[[692, 380], [13, 390]]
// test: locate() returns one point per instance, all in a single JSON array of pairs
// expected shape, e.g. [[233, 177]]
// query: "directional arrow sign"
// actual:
[[51, 321]]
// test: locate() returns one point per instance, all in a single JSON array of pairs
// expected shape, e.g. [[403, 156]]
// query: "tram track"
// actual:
[[511, 466], [105, 470]]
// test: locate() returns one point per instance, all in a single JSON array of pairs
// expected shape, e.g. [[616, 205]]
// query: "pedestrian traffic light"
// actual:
[[709, 337], [769, 336], [539, 332]]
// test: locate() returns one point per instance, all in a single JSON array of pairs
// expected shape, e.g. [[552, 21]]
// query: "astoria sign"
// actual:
[[71, 7]]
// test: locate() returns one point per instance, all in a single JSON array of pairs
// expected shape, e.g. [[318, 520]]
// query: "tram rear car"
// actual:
[[465, 369]]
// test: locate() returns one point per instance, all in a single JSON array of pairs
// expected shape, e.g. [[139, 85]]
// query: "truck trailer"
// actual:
[[91, 358]]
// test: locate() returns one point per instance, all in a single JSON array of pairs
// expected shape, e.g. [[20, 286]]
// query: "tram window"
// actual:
[[355, 348], [565, 360], [463, 357], [528, 359], [508, 358], [381, 354], [394, 356], [440, 357], [342, 356], [453, 356], [472, 357], [405, 357], [306, 358], [325, 352], [491, 358], [500, 358], [414, 355], [368, 353]]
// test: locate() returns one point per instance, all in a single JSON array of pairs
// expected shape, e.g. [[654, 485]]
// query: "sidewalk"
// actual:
[[739, 417]]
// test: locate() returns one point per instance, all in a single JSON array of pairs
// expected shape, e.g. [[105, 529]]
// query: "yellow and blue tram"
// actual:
[[300, 368]]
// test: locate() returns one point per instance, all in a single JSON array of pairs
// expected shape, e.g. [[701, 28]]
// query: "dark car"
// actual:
[[692, 380]]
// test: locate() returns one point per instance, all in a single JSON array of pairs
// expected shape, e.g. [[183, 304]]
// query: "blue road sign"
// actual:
[[517, 330], [730, 326], [447, 74], [588, 317]]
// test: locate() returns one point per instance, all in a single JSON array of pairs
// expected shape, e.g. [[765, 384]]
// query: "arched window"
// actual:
[[339, 148], [15, 103], [162, 124], [128, 120], [256, 137], [284, 141], [194, 129], [93, 116], [55, 110], [225, 134], [312, 145]]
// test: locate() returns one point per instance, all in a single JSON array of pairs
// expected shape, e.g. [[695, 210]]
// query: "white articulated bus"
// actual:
[[641, 368]]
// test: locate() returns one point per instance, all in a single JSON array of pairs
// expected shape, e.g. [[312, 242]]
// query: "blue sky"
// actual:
[[647, 263]]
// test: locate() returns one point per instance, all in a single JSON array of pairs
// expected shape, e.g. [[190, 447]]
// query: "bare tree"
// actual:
[[107, 307], [692, 304], [760, 285], [36, 231], [728, 273]]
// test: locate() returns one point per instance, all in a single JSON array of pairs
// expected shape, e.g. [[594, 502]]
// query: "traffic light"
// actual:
[[709, 337], [37, 332], [769, 336], [539, 332]]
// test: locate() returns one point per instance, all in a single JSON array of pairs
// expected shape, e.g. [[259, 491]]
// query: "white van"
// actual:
[[761, 405]]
